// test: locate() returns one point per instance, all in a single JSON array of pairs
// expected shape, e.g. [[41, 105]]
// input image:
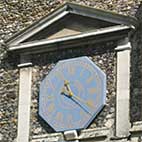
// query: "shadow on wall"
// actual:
[[136, 71]]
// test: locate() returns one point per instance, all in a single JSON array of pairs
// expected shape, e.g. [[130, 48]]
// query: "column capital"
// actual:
[[122, 47], [25, 65], [25, 61]]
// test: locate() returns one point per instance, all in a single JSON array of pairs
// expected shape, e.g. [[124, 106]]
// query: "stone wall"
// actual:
[[136, 69], [16, 15], [9, 80]]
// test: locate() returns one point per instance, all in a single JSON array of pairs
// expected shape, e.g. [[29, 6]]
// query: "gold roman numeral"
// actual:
[[92, 91]]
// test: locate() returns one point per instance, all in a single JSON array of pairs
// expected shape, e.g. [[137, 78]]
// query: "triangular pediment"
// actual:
[[69, 20], [63, 33], [69, 25]]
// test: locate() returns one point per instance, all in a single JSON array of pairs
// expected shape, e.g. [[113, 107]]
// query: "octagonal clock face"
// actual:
[[72, 94]]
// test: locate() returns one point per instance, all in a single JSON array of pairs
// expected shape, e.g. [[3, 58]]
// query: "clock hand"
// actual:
[[66, 93], [66, 84], [81, 100], [70, 94]]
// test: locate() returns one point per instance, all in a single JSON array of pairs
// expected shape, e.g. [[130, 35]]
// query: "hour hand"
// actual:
[[66, 89], [66, 92]]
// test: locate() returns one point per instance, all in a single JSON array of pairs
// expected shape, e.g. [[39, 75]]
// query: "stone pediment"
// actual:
[[70, 20]]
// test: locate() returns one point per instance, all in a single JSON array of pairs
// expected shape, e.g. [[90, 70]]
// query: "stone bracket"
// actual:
[[71, 135]]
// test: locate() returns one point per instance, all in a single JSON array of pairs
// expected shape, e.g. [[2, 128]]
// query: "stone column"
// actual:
[[123, 90], [24, 99]]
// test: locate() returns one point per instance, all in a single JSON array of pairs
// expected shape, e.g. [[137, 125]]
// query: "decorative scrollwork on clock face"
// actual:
[[72, 94]]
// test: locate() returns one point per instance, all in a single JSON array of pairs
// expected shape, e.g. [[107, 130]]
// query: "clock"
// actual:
[[72, 94]]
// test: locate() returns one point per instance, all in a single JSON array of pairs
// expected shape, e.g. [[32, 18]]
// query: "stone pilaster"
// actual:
[[24, 99], [123, 90]]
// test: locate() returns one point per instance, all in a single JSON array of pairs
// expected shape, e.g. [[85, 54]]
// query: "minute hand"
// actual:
[[84, 102]]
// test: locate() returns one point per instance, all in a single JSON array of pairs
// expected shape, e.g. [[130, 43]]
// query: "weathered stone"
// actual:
[[1, 137], [109, 123]]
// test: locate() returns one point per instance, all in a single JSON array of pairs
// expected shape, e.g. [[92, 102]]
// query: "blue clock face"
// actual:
[[72, 94]]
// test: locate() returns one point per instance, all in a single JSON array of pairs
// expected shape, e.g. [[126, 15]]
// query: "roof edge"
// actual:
[[106, 14], [92, 34]]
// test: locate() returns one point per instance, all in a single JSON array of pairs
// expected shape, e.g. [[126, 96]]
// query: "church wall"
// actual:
[[16, 16], [9, 83], [136, 69]]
